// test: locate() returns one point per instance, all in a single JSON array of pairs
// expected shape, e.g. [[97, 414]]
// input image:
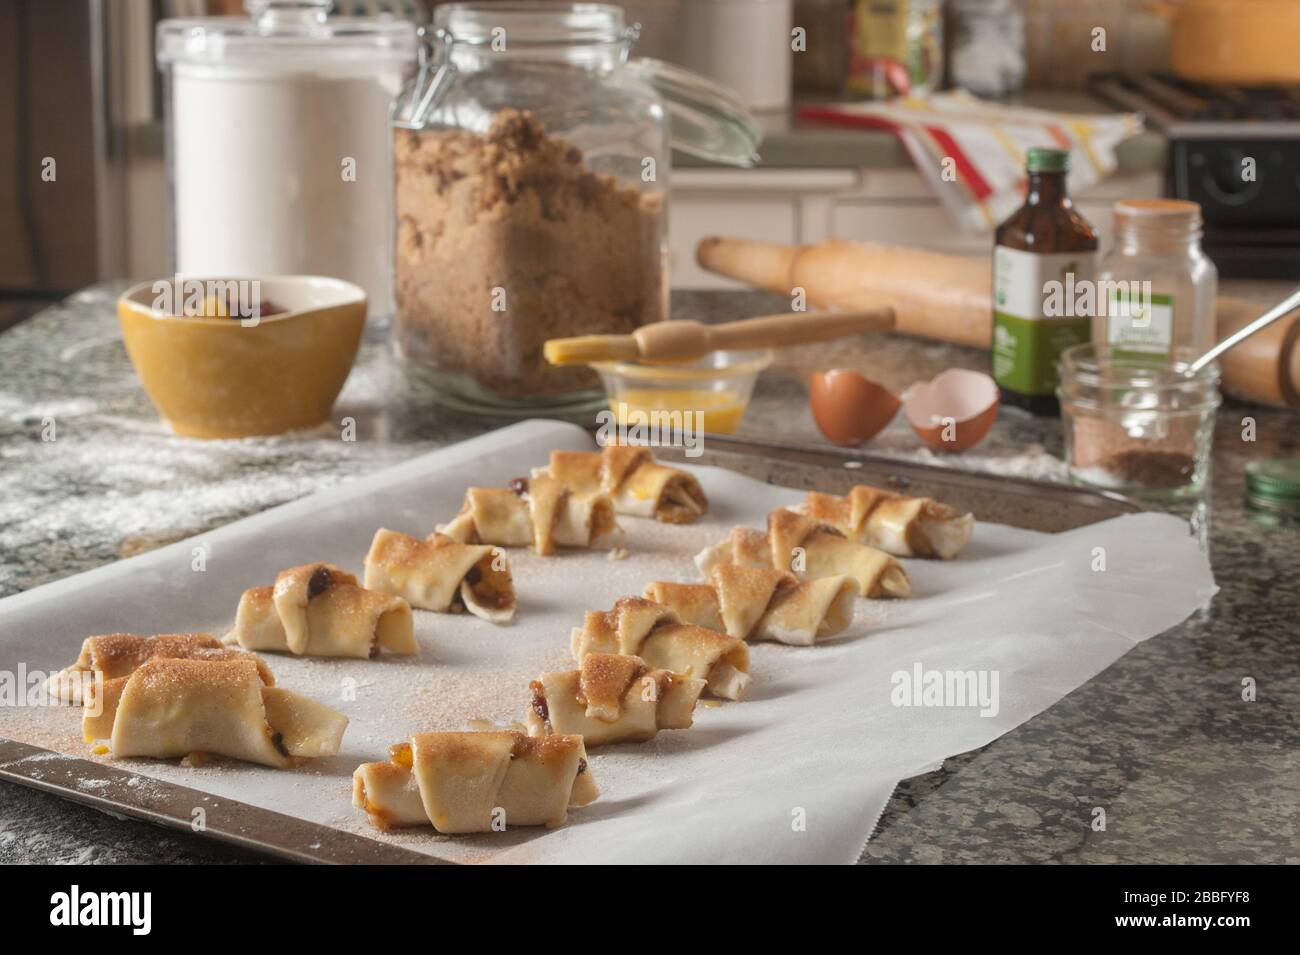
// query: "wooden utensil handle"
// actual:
[[776, 331]]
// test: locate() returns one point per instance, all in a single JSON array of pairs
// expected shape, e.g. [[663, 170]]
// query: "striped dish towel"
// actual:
[[986, 143]]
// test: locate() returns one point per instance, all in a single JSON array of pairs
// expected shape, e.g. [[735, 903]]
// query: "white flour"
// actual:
[[115, 482], [261, 167]]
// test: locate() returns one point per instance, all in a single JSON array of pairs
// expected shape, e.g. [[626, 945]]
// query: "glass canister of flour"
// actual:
[[277, 140], [1155, 288], [531, 169]]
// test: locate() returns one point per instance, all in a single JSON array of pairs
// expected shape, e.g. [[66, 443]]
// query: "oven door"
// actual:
[[1249, 194]]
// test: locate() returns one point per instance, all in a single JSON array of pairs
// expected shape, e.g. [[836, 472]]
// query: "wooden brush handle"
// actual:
[[665, 341]]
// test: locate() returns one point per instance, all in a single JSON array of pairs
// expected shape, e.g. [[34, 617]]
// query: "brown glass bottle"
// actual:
[[1040, 255]]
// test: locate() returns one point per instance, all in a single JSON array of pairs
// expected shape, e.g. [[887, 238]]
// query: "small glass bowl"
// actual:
[[714, 390], [1137, 423]]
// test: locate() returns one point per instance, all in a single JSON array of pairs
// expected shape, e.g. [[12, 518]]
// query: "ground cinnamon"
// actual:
[[1110, 455]]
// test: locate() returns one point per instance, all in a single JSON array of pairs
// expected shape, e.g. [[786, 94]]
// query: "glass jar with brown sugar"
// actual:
[[531, 164]]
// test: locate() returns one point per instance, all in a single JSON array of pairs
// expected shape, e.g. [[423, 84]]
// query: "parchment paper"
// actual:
[[798, 772]]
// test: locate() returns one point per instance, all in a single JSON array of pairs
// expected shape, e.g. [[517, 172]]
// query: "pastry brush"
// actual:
[[684, 340]]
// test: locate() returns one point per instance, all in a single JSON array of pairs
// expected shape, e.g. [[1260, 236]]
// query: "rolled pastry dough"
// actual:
[[636, 483], [318, 610], [174, 707], [611, 698], [442, 574], [540, 511], [475, 782], [762, 603], [112, 655], [897, 524], [810, 549], [642, 628]]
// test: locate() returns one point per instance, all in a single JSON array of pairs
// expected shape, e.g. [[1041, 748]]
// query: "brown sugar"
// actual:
[[507, 238]]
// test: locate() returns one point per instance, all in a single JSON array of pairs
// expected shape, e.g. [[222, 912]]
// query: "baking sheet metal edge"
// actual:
[[171, 806]]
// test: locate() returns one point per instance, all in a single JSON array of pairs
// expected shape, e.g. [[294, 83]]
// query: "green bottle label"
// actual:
[[1035, 315], [1139, 323]]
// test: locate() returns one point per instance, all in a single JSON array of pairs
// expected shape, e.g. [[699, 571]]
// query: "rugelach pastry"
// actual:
[[442, 574], [196, 709], [318, 610], [810, 549], [539, 512], [637, 484], [762, 603], [475, 782], [112, 655], [642, 628], [897, 524], [611, 698]]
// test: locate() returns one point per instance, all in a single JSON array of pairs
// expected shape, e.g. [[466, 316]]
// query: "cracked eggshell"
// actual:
[[848, 408], [954, 410]]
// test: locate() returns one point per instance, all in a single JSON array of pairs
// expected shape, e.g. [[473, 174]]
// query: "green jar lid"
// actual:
[[1274, 484], [1039, 159]]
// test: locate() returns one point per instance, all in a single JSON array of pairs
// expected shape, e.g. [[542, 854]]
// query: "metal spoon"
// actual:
[[1285, 307]]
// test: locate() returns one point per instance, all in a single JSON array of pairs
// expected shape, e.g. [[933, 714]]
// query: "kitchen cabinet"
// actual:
[[892, 206]]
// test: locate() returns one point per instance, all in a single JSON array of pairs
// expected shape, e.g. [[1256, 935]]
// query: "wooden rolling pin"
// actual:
[[950, 298], [682, 340]]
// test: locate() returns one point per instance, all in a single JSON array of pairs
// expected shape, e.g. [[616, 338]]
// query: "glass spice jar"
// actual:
[[531, 171], [1137, 424], [1155, 288]]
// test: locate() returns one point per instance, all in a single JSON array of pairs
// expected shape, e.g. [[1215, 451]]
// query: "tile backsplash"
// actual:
[[1059, 40]]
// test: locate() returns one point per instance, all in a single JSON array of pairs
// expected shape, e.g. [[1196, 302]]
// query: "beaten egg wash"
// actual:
[[1041, 255], [716, 411]]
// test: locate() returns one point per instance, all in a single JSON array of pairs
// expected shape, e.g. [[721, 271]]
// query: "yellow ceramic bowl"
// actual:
[[223, 378]]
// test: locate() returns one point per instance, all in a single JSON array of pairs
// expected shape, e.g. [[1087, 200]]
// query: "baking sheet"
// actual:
[[799, 772]]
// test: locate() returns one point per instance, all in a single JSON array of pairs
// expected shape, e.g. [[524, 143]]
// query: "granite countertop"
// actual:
[[1186, 770]]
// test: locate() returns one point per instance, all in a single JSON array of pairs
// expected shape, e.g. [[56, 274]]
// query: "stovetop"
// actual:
[[1185, 110]]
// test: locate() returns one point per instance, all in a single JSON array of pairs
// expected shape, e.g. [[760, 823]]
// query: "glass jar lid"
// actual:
[[704, 119], [288, 35], [1162, 221], [1274, 484], [530, 24], [1158, 211]]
